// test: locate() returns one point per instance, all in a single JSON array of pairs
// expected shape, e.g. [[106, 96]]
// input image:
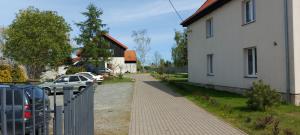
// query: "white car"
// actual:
[[79, 82], [98, 78]]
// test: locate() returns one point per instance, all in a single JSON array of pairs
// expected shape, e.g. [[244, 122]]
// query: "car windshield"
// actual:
[[91, 78], [87, 75], [38, 92]]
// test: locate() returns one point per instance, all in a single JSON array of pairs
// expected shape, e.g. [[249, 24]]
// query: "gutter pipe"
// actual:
[[287, 50]]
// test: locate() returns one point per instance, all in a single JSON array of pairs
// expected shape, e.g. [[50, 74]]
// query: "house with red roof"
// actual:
[[232, 43], [122, 60]]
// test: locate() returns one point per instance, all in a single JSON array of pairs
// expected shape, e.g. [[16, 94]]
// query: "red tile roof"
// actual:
[[206, 8], [116, 41], [130, 56]]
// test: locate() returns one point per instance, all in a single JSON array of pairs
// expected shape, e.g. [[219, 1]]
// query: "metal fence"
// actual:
[[26, 110]]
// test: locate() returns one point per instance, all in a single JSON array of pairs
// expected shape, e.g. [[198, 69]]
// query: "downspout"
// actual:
[[287, 50]]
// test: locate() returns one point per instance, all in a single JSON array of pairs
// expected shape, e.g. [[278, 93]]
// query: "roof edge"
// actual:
[[198, 15]]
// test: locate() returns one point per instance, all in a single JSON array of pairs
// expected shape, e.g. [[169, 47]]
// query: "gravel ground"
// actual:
[[112, 108]]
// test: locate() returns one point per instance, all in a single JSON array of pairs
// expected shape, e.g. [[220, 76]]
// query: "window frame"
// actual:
[[252, 11], [209, 28], [210, 65], [253, 63]]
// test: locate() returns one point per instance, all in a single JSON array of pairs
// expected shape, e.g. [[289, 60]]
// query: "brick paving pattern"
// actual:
[[156, 110]]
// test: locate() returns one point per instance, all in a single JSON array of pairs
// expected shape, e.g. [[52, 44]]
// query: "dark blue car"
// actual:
[[26, 99]]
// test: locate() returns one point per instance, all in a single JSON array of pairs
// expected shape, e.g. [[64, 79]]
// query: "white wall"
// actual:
[[130, 67], [295, 45], [231, 38]]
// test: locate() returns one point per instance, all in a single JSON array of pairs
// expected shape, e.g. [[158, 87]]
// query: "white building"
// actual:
[[232, 43], [122, 60]]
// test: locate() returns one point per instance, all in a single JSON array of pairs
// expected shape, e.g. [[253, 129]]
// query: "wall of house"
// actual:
[[295, 47], [230, 39], [130, 67]]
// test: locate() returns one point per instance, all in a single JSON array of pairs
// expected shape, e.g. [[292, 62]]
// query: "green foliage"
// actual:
[[12, 74], [5, 73], [74, 70], [232, 107], [120, 76], [179, 51], [37, 39], [18, 74], [261, 96], [95, 45]]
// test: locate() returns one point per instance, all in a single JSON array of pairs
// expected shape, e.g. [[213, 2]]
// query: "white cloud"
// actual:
[[151, 9]]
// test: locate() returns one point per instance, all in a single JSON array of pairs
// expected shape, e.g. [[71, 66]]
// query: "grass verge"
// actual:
[[232, 108], [111, 80]]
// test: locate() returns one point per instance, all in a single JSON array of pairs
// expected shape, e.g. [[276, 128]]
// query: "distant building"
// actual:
[[122, 60]]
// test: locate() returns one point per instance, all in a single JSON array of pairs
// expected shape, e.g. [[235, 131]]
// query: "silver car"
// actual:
[[78, 82]]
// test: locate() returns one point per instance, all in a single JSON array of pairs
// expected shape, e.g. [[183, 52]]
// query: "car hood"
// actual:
[[45, 84]]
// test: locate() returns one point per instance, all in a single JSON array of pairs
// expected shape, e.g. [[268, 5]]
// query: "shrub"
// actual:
[[261, 96], [18, 74], [74, 70], [262, 123], [288, 132], [10, 73], [276, 129], [5, 73], [120, 76]]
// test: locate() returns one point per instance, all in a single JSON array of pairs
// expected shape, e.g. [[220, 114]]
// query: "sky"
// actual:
[[121, 16]]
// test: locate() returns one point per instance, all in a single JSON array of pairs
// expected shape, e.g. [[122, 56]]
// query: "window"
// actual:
[[83, 78], [248, 11], [210, 67], [74, 79], [62, 79], [209, 28], [251, 62]]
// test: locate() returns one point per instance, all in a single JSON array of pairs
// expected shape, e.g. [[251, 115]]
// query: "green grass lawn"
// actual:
[[111, 80], [232, 107]]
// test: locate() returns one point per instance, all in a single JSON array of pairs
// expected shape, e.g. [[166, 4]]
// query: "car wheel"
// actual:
[[81, 88]]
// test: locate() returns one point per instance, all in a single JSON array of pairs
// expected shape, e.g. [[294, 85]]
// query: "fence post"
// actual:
[[3, 112], [58, 120], [68, 95]]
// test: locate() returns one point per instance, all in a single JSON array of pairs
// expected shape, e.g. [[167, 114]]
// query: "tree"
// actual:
[[95, 47], [37, 39], [179, 51], [157, 58], [142, 45]]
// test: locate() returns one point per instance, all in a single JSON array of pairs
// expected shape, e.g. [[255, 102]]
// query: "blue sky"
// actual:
[[121, 16]]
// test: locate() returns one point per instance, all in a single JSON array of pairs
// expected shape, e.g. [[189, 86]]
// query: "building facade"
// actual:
[[232, 43]]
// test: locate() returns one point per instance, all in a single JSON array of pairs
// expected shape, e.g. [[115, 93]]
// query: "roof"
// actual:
[[208, 7], [130, 56], [115, 41]]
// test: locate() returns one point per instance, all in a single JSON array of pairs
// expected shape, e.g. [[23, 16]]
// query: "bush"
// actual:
[[12, 74], [261, 96], [5, 73], [18, 74], [120, 76], [74, 70], [262, 123]]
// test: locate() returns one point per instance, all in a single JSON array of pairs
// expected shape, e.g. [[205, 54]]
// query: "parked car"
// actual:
[[78, 82], [25, 98], [104, 70], [98, 78]]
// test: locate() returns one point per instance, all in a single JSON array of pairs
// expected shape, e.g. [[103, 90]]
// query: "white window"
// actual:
[[251, 62], [210, 67], [209, 28], [248, 11]]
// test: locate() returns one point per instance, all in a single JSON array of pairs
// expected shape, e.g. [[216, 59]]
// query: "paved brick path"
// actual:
[[156, 110]]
